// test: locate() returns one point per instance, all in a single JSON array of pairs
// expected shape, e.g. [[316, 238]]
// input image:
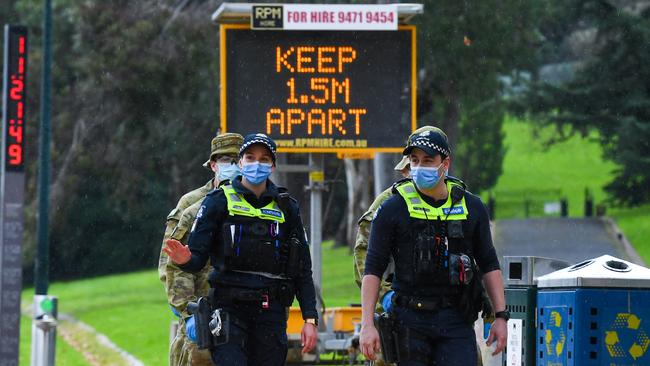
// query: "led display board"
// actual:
[[320, 91], [15, 78]]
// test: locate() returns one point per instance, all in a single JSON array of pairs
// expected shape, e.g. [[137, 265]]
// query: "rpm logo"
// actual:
[[267, 17]]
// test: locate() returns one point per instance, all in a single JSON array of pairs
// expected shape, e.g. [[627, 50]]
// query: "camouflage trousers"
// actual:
[[184, 352]]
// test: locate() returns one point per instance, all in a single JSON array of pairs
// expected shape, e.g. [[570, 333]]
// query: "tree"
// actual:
[[464, 48], [609, 94], [134, 109]]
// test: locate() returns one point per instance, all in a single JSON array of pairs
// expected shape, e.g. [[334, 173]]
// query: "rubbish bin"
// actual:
[[593, 313], [521, 273]]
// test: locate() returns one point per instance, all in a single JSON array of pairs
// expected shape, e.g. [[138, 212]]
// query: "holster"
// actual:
[[385, 324], [472, 297], [202, 316]]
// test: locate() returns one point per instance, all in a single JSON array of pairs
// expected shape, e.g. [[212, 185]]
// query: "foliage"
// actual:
[[464, 47], [133, 94], [608, 94]]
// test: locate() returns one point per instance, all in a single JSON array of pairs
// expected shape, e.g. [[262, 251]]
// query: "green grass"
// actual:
[[130, 309], [563, 170], [65, 355], [547, 174], [339, 288], [635, 224]]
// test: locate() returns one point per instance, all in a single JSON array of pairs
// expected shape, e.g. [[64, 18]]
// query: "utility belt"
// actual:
[[283, 292], [425, 303]]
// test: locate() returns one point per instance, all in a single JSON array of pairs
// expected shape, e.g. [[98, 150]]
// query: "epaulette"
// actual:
[[214, 191], [399, 183], [457, 181], [284, 198], [223, 183]]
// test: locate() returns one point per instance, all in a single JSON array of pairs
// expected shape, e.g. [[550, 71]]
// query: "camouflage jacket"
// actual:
[[183, 287], [361, 243], [174, 217]]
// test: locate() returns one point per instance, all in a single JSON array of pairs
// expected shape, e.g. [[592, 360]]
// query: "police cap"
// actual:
[[405, 159], [433, 142], [259, 138]]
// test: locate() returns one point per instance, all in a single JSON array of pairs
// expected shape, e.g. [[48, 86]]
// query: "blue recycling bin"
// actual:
[[596, 312]]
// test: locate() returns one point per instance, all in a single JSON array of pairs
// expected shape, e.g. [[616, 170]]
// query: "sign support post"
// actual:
[[316, 187]]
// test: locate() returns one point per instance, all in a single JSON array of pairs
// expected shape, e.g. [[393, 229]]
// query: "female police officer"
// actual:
[[253, 235], [434, 230]]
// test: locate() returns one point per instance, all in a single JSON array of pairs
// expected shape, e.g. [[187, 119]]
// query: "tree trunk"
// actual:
[[359, 187], [451, 117]]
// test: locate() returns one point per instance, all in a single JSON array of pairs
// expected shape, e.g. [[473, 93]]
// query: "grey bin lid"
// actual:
[[604, 271], [525, 270]]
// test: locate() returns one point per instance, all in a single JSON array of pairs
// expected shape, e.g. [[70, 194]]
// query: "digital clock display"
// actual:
[[15, 79], [320, 91]]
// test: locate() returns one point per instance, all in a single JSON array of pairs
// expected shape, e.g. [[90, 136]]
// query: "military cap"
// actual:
[[225, 144], [405, 159], [258, 138]]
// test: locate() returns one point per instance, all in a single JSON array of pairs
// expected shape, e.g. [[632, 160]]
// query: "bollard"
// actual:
[[589, 203], [44, 325], [564, 207]]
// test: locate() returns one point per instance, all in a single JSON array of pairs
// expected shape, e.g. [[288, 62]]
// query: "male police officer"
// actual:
[[183, 287], [363, 230], [253, 234], [436, 232]]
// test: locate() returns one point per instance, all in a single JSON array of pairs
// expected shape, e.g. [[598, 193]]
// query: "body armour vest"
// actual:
[[252, 240], [436, 257]]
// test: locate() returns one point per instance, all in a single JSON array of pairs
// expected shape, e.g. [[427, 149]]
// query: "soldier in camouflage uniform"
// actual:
[[183, 287]]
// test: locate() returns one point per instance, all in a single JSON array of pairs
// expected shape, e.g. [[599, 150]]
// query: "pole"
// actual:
[[45, 307], [316, 178], [41, 274], [383, 168]]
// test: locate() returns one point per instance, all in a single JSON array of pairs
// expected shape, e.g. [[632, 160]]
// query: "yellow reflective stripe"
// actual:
[[237, 205], [419, 209]]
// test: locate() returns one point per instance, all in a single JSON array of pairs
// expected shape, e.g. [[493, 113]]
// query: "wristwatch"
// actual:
[[505, 315], [312, 321]]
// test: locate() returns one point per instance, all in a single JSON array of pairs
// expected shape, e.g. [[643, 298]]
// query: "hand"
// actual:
[[190, 328], [179, 253], [369, 341], [308, 337], [498, 332]]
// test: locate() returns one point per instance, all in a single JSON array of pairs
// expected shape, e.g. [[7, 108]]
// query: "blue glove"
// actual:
[[178, 315], [190, 328], [387, 300]]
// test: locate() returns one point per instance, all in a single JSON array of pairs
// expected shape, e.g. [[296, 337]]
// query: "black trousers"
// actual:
[[257, 336], [435, 338]]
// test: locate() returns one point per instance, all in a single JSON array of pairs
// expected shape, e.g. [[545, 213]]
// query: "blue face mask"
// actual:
[[425, 177], [228, 171], [256, 173]]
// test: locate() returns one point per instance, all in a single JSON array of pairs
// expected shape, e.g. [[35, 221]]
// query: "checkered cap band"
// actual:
[[258, 138], [422, 141]]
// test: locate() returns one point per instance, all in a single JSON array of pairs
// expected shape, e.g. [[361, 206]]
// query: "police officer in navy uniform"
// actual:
[[439, 237], [253, 235]]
